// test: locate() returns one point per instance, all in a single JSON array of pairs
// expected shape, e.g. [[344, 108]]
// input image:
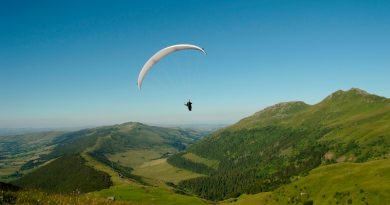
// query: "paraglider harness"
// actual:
[[189, 105]]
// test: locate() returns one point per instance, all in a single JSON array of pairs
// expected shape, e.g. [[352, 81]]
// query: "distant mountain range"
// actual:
[[27, 130], [21, 131]]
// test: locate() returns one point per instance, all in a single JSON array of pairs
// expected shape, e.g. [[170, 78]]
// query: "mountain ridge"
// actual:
[[288, 139], [279, 110]]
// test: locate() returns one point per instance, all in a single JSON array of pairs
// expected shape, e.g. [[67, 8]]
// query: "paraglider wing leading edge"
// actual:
[[161, 54]]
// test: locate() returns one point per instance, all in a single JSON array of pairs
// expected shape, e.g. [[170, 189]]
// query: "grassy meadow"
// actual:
[[136, 157], [342, 183], [160, 170]]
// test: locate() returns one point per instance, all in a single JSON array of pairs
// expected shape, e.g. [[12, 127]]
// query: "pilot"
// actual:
[[189, 105]]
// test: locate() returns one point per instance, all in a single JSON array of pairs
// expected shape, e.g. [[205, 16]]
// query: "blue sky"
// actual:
[[75, 63]]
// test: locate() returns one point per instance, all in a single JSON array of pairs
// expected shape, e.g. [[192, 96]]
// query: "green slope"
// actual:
[[366, 182], [263, 151], [65, 175], [149, 195], [343, 183], [43, 198]]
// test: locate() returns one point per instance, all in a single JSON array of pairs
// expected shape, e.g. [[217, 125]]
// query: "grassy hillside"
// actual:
[[65, 175], [339, 183], [149, 195], [343, 183], [267, 149], [43, 198]]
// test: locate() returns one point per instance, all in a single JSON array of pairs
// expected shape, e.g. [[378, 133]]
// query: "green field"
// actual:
[[159, 169], [136, 157]]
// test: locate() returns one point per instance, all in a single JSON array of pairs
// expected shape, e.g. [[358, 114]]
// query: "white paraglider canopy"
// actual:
[[161, 54]]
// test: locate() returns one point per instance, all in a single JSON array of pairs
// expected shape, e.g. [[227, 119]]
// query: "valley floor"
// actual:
[[128, 190]]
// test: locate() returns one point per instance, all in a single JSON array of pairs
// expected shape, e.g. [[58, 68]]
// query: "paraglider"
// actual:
[[160, 55], [189, 105]]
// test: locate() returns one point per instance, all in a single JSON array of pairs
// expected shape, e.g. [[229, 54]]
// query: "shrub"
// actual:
[[308, 202]]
